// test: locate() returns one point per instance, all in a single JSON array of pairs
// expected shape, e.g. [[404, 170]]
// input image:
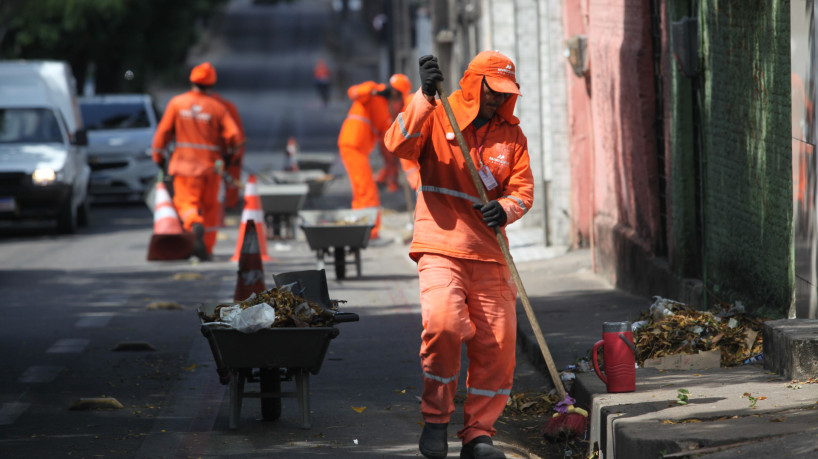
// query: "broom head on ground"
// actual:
[[568, 421]]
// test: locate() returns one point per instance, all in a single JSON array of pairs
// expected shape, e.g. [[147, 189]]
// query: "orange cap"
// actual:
[[400, 82], [498, 70], [203, 74]]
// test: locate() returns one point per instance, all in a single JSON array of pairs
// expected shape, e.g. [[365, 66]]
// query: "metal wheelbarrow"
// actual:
[[273, 355], [338, 233], [281, 203], [317, 180]]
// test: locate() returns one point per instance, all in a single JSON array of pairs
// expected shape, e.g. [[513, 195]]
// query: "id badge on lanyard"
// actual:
[[487, 178]]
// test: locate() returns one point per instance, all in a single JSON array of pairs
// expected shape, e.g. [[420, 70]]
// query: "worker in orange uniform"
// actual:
[[233, 169], [321, 78], [388, 175], [203, 128], [466, 290], [367, 120]]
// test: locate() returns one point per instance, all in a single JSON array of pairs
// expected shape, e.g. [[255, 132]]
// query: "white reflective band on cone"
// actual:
[[250, 214], [164, 212]]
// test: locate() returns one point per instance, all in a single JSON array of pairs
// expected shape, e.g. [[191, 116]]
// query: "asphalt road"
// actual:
[[102, 349]]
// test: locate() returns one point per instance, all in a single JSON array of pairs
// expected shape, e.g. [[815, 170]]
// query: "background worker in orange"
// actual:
[[321, 78], [202, 127], [367, 120], [466, 290], [233, 169]]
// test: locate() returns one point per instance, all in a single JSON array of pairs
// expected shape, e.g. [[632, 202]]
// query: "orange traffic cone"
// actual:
[[251, 271], [169, 241], [252, 212]]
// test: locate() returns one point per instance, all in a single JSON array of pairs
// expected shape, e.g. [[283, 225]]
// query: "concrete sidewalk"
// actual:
[[732, 412]]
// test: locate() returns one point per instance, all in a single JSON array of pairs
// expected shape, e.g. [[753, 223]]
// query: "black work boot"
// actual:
[[199, 248], [433, 442], [481, 448]]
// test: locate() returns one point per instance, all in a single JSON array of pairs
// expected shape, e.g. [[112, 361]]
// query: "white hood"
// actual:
[[27, 158]]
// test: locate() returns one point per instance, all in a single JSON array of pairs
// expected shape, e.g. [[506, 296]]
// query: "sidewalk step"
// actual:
[[791, 348]]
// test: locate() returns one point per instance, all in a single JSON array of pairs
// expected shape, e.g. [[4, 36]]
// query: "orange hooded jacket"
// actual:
[[445, 221], [367, 119], [202, 126]]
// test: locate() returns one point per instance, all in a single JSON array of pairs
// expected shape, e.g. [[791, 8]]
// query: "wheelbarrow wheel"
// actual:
[[340, 263], [270, 381]]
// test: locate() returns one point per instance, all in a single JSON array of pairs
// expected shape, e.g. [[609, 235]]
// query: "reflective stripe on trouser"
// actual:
[[197, 201], [473, 302], [364, 189]]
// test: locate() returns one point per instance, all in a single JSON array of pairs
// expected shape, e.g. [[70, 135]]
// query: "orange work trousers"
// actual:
[[473, 302], [197, 201], [364, 189]]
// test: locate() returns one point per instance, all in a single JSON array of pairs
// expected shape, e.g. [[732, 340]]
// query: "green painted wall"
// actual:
[[684, 251], [747, 178]]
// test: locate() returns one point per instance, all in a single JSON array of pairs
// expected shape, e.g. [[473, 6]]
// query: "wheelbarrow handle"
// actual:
[[341, 317]]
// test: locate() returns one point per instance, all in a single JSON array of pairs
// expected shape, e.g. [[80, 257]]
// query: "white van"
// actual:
[[44, 173]]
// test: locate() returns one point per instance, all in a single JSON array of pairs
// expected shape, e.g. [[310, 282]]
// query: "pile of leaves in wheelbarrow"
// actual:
[[670, 327], [290, 309]]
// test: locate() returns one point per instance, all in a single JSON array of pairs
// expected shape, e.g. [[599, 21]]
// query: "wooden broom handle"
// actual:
[[478, 183]]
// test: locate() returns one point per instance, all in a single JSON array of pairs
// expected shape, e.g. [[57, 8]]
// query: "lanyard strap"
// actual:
[[480, 145]]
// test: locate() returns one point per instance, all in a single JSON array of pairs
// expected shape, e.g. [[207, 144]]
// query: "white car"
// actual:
[[43, 169], [120, 131]]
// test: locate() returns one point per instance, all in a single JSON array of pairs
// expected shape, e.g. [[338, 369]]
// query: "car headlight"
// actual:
[[44, 176]]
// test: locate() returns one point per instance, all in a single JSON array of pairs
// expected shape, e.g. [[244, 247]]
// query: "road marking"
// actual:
[[9, 412], [40, 374], [95, 320], [68, 346]]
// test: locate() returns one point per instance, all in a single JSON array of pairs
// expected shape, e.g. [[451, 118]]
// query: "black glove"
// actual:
[[430, 74], [493, 213], [161, 164]]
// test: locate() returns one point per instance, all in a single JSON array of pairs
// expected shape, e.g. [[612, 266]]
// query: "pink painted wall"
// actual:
[[624, 164], [575, 18]]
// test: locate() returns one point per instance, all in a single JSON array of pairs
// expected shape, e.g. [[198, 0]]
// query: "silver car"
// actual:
[[120, 132]]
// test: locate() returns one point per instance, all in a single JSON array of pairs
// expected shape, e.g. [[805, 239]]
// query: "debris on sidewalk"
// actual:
[[671, 328]]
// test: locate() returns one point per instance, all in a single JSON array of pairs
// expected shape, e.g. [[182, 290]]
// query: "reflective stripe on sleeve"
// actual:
[[403, 130], [518, 201], [446, 191], [439, 378], [365, 120], [488, 393]]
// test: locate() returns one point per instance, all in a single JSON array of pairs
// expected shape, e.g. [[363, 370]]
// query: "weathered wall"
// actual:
[[530, 32], [747, 181], [682, 158], [580, 135], [626, 219]]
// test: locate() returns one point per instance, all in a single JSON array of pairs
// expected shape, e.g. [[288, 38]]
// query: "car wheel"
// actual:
[[67, 217], [84, 212]]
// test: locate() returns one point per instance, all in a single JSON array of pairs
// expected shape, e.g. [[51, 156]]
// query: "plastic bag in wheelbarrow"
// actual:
[[249, 320]]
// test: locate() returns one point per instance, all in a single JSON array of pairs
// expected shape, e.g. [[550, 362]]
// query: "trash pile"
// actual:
[[531, 404], [670, 327], [276, 307]]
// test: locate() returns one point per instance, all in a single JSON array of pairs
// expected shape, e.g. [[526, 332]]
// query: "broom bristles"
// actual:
[[568, 425]]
